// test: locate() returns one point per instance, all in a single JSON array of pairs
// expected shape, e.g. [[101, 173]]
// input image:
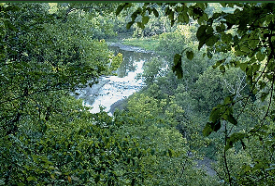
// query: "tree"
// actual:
[[47, 136], [44, 59], [248, 31], [41, 58], [152, 70], [152, 122]]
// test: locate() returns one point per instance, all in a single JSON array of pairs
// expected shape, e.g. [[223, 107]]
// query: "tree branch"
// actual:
[[224, 155]]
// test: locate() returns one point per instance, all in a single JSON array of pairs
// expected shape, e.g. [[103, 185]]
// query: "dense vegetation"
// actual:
[[213, 97]]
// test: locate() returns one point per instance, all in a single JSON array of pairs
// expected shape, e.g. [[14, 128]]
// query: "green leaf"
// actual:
[[177, 66], [201, 43], [211, 40], [233, 139], [228, 100], [207, 129], [155, 12], [215, 114], [153, 151], [171, 17], [209, 55], [220, 28], [202, 19], [264, 95], [183, 17], [140, 25], [134, 16], [253, 43], [205, 36], [44, 128], [31, 178], [209, 30], [245, 49], [97, 178], [262, 84], [119, 9], [222, 69], [226, 38], [231, 119], [224, 4], [234, 63], [190, 55], [201, 31], [128, 26], [217, 126], [145, 19], [186, 17], [260, 56], [77, 154], [170, 152], [243, 66], [218, 63]]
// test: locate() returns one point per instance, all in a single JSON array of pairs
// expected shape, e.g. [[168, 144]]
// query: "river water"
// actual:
[[111, 89]]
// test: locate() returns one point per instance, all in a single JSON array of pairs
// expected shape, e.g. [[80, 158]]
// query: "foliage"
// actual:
[[43, 59], [151, 70], [48, 137], [172, 43], [155, 116], [95, 15], [246, 31], [116, 61], [223, 56]]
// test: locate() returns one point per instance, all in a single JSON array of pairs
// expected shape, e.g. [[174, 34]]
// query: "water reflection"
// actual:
[[111, 89], [129, 57]]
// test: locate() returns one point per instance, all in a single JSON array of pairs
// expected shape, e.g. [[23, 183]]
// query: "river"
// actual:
[[112, 89]]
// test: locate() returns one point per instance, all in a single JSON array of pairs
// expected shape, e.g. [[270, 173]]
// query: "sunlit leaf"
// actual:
[[145, 19]]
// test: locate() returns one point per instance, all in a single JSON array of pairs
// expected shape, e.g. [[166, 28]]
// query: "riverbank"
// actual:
[[130, 48], [120, 104], [147, 43]]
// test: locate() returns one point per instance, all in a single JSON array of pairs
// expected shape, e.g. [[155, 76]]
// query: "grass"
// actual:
[[147, 43], [119, 37]]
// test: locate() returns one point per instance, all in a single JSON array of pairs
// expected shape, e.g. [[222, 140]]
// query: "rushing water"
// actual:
[[111, 89]]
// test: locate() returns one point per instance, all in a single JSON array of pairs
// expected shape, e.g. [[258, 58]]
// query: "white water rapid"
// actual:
[[117, 89], [111, 89]]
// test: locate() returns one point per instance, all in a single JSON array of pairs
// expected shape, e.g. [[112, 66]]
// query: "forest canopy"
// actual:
[[215, 99]]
